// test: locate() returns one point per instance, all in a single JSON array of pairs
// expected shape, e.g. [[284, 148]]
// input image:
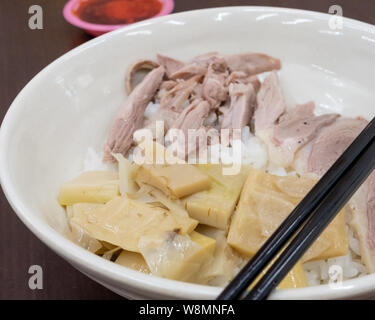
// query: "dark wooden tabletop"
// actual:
[[23, 53]]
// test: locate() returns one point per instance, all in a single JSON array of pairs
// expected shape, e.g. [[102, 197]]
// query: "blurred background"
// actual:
[[23, 53]]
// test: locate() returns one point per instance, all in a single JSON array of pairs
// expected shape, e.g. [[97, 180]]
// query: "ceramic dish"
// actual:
[[68, 107]]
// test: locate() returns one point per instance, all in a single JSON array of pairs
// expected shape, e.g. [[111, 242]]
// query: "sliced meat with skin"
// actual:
[[301, 111], [214, 88], [363, 220], [252, 63], [301, 158], [242, 105], [270, 103], [170, 65], [324, 151], [332, 142], [306, 162], [300, 130], [285, 132], [296, 128], [131, 115], [371, 211]]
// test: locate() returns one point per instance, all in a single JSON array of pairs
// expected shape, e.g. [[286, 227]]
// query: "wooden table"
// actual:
[[23, 53]]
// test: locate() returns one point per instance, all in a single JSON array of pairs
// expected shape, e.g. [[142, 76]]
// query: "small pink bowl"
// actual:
[[99, 29]]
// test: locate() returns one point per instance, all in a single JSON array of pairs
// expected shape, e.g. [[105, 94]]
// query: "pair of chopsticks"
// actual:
[[307, 221]]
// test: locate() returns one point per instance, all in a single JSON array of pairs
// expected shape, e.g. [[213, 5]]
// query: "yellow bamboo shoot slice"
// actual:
[[123, 221], [91, 187]]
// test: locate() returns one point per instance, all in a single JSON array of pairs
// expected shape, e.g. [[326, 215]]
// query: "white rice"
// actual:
[[253, 152], [151, 109], [93, 161]]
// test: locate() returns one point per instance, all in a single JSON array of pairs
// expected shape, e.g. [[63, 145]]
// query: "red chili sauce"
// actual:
[[117, 11]]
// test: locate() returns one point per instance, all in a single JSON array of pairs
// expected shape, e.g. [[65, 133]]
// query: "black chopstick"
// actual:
[[298, 216], [322, 216]]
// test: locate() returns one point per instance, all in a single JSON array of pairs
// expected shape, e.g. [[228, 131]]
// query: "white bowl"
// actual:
[[68, 106]]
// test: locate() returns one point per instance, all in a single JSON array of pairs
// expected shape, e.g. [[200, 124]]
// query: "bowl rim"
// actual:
[[167, 8], [147, 284]]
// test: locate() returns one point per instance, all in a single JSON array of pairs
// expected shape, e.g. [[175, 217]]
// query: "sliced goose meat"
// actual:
[[270, 103], [132, 71], [252, 63], [170, 65], [371, 211], [177, 97], [193, 116], [164, 113], [285, 132], [130, 117], [214, 88], [188, 71], [164, 88], [332, 142], [307, 162], [363, 220], [197, 92], [173, 101], [301, 111], [242, 77], [296, 128], [299, 126], [176, 69], [325, 150], [301, 158], [242, 105], [206, 58]]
